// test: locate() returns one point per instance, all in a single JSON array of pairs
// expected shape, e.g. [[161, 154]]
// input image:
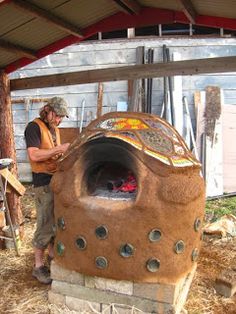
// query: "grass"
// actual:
[[221, 207]]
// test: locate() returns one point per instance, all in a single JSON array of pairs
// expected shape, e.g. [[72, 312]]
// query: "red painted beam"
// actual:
[[147, 16], [208, 21], [218, 22]]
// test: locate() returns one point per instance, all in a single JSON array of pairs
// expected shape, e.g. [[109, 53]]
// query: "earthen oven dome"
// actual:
[[149, 233]]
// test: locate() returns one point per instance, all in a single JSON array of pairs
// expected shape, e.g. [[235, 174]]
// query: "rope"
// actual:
[[111, 308]]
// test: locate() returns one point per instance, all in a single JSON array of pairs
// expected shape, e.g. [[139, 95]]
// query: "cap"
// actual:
[[59, 106]]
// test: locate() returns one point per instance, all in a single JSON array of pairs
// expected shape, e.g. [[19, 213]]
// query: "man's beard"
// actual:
[[52, 124]]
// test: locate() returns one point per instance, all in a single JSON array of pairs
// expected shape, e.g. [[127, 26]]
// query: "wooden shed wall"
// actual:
[[101, 54]]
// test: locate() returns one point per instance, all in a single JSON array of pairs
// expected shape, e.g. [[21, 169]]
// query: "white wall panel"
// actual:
[[114, 53]]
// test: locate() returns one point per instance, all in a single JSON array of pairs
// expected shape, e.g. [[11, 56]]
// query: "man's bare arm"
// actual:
[[38, 154]]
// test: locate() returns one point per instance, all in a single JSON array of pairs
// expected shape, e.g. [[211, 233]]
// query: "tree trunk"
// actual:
[[7, 144]]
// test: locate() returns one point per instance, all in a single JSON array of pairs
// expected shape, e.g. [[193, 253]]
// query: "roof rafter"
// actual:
[[48, 17], [120, 20], [128, 6], [22, 51], [189, 10]]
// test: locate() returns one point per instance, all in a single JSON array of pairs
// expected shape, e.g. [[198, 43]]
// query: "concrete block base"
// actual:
[[87, 294]]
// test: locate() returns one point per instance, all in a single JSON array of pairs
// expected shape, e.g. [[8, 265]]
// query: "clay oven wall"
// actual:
[[153, 235]]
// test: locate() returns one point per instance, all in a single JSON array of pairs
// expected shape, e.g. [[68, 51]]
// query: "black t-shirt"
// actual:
[[33, 139]]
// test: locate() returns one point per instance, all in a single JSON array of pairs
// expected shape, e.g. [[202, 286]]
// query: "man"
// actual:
[[44, 149]]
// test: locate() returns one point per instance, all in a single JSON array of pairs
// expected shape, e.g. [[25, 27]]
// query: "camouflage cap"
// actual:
[[59, 106]]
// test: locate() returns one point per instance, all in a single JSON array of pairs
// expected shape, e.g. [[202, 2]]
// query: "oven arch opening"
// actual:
[[110, 170]]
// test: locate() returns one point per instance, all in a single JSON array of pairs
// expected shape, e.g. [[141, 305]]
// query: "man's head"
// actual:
[[54, 111], [59, 106]]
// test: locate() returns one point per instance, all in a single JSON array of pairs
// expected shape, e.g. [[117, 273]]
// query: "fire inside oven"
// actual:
[[110, 170]]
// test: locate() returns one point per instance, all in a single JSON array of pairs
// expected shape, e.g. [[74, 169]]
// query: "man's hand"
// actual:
[[64, 147], [38, 154]]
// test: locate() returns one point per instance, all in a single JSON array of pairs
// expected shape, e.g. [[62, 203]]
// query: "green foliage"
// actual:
[[220, 207]]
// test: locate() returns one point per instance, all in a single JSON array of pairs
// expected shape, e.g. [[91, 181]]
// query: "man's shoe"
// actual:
[[42, 274]]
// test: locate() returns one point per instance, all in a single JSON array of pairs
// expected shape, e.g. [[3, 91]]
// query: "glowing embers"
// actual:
[[153, 264], [111, 180], [122, 123], [127, 250]]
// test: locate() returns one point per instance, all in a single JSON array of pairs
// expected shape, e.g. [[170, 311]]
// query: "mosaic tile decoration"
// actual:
[[122, 123], [156, 141], [134, 142], [158, 125], [145, 132]]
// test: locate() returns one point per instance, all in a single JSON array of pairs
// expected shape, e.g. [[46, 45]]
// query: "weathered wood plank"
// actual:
[[99, 100], [229, 151], [12, 181], [186, 67]]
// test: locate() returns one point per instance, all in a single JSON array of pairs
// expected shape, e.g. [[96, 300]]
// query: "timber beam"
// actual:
[[21, 51], [128, 6], [47, 16], [189, 10], [186, 67]]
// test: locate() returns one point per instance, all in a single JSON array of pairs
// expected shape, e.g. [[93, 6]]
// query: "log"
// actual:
[[7, 144]]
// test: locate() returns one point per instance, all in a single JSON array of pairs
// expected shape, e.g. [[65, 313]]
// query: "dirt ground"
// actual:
[[21, 293]]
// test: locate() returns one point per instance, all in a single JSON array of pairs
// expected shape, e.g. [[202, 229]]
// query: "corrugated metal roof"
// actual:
[[87, 12], [33, 33], [7, 57], [220, 8], [167, 4], [10, 18]]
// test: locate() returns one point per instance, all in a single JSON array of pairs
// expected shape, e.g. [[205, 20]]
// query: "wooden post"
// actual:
[[138, 95], [100, 100], [7, 145]]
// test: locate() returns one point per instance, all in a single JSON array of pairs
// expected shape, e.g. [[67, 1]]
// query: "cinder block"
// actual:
[[167, 293], [121, 309], [226, 283], [156, 292], [82, 306], [63, 274], [107, 297], [119, 286], [56, 298], [183, 293], [89, 281]]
